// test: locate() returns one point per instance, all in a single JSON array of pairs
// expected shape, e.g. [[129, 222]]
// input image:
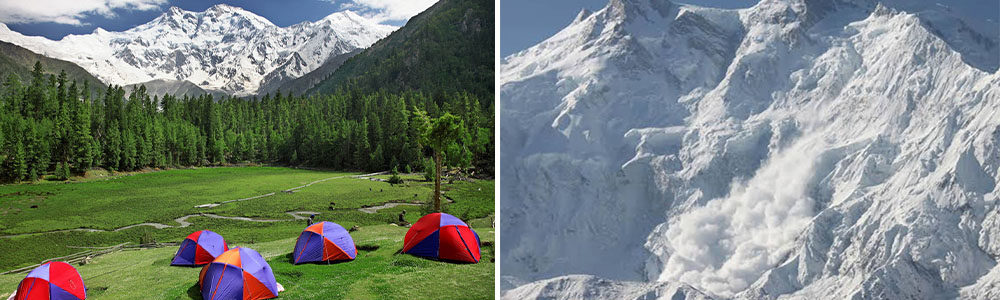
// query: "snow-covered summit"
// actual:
[[797, 149], [223, 48]]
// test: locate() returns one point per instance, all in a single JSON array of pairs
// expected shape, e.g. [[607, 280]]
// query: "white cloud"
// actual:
[[67, 11], [386, 10]]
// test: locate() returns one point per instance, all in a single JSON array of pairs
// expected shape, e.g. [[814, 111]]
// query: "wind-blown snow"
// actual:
[[223, 48], [798, 148]]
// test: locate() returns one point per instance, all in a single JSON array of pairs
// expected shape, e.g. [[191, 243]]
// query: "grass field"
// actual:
[[150, 197], [163, 196]]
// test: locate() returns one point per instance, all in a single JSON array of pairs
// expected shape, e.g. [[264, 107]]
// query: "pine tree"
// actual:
[[158, 144], [34, 106], [13, 98], [63, 130], [128, 150], [62, 171], [216, 145], [38, 148], [377, 161], [17, 163], [113, 148], [80, 140], [362, 147], [429, 171]]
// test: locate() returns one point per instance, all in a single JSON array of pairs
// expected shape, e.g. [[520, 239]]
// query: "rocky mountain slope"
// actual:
[[301, 84], [19, 61], [179, 88], [224, 48], [797, 149]]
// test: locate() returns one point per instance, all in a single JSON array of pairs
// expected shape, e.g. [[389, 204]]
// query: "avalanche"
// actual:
[[224, 48], [796, 149]]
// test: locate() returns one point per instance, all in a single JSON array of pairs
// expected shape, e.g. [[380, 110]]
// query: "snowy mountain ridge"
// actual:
[[224, 48], [795, 149]]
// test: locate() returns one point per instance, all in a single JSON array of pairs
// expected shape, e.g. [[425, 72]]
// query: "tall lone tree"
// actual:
[[442, 132]]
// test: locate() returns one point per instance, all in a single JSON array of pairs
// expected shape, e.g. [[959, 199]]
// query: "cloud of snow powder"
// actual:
[[386, 10], [724, 246], [68, 11]]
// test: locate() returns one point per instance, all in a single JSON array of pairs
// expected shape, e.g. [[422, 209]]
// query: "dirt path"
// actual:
[[291, 190], [300, 215], [182, 221], [53, 231], [374, 209], [372, 176]]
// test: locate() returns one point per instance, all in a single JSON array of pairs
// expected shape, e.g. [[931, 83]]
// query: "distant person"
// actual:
[[309, 222], [401, 215]]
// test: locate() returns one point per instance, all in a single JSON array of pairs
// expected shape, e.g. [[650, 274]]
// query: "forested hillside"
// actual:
[[16, 60], [53, 125], [447, 48], [365, 116]]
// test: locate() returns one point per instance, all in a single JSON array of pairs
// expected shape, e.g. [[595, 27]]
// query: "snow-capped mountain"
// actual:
[[797, 149], [224, 48]]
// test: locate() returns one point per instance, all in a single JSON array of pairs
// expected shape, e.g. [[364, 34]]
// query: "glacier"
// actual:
[[796, 149], [224, 48]]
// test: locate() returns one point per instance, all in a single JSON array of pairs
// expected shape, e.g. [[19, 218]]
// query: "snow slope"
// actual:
[[223, 48], [796, 149], [589, 287]]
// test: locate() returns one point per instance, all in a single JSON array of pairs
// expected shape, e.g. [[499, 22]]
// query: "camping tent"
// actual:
[[324, 241], [199, 248], [442, 236], [240, 273], [52, 280]]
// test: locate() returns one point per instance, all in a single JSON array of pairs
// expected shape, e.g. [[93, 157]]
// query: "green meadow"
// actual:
[[52, 219]]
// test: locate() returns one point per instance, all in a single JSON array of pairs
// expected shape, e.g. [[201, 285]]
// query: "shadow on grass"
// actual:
[[367, 248], [189, 266], [291, 260], [94, 291], [484, 255], [414, 263], [195, 291]]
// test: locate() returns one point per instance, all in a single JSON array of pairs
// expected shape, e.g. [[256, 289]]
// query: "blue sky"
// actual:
[[57, 18], [526, 22]]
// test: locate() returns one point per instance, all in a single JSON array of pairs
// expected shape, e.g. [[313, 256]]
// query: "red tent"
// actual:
[[199, 248], [54, 280], [324, 241], [240, 273], [444, 237]]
